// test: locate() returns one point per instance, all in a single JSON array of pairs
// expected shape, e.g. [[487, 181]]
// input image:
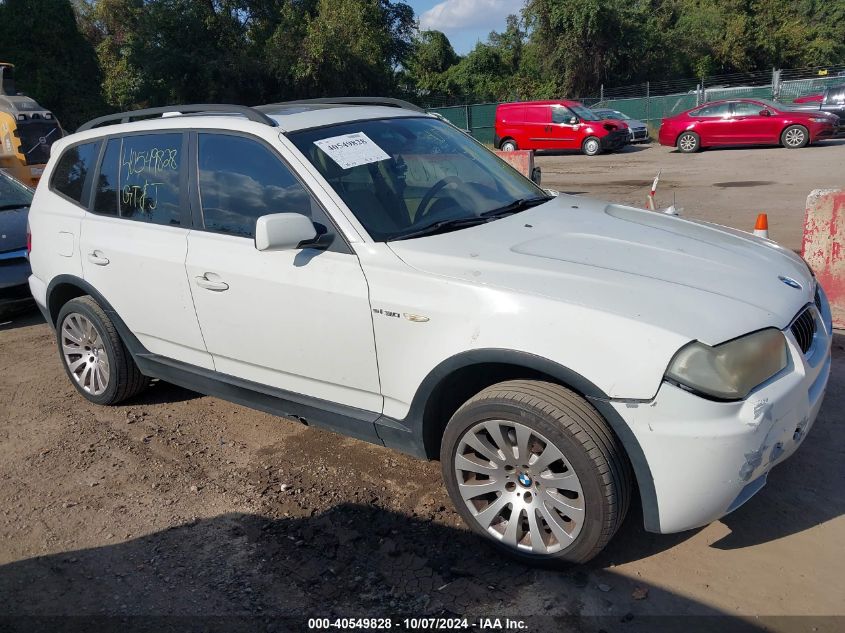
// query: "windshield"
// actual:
[[402, 176], [614, 114], [13, 194], [584, 114]]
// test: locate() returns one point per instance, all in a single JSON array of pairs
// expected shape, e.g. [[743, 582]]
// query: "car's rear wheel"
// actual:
[[689, 142], [508, 145], [95, 359], [795, 137], [591, 146], [535, 470]]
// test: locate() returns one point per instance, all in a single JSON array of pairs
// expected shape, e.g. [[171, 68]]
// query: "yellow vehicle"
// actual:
[[26, 131]]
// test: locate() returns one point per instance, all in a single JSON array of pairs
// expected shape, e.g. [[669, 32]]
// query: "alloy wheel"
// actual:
[[519, 487], [687, 142], [84, 354], [591, 147], [794, 137]]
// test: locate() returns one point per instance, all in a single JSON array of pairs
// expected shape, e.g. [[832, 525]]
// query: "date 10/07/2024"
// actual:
[[144, 172]]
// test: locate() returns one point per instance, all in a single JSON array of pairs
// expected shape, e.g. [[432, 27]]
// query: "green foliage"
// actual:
[[82, 57], [571, 47], [54, 63]]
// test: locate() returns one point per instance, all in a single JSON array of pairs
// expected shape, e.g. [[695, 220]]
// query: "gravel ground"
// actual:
[[176, 504], [727, 186]]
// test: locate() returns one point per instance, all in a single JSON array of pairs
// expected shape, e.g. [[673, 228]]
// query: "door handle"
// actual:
[[97, 258], [211, 281]]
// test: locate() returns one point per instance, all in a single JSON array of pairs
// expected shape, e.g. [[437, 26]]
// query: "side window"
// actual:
[[240, 180], [561, 114], [714, 111], [746, 108], [70, 172], [836, 95], [148, 173]]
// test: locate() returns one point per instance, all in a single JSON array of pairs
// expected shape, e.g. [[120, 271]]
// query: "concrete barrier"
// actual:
[[522, 160], [824, 246]]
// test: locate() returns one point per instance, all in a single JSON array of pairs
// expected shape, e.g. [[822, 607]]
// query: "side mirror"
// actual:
[[283, 232], [765, 113], [573, 120]]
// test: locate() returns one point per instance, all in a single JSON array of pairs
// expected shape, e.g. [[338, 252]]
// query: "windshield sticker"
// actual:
[[351, 150]]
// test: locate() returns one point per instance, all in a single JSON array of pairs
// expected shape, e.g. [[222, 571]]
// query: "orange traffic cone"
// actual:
[[761, 228]]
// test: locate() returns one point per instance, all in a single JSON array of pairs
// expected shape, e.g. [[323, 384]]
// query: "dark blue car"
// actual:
[[15, 199]]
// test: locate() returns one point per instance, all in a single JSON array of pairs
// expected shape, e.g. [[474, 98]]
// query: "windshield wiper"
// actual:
[[516, 206], [442, 227]]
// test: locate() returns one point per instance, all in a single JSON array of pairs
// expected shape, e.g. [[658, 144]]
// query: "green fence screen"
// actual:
[[480, 118]]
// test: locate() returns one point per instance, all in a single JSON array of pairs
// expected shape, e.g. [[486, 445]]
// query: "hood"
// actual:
[[812, 109], [13, 229], [703, 281]]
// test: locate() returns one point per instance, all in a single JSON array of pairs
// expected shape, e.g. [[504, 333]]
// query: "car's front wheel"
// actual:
[[95, 359], [509, 145], [534, 469], [795, 137], [591, 146]]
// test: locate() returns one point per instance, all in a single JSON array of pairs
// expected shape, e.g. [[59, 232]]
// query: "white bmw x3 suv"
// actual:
[[366, 267]]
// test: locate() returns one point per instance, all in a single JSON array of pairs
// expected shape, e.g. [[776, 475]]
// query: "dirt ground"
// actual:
[[176, 504], [727, 186]]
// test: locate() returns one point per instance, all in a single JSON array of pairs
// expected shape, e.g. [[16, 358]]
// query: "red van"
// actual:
[[556, 125]]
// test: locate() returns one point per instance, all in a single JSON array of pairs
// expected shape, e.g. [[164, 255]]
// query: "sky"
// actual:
[[465, 22]]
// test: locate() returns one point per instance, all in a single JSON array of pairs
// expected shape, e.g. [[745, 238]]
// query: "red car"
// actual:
[[556, 125], [745, 122], [809, 98]]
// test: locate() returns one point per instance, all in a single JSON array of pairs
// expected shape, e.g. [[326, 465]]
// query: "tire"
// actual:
[[795, 137], [107, 374], [688, 143], [508, 145], [591, 146], [539, 416]]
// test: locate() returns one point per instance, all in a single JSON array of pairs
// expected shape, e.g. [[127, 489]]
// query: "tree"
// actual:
[[54, 62], [432, 56], [355, 47]]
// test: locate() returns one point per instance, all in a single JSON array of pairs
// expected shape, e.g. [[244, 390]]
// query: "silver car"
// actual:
[[637, 129], [15, 199]]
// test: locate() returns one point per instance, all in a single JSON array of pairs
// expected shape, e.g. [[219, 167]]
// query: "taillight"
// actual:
[[28, 240]]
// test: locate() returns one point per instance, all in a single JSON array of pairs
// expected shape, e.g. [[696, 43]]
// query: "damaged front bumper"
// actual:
[[707, 458]]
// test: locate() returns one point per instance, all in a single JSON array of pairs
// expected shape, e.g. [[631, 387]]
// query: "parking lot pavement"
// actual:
[[727, 186], [175, 503]]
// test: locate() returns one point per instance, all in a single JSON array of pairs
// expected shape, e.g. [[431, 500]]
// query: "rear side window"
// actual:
[[240, 180], [140, 179], [72, 169]]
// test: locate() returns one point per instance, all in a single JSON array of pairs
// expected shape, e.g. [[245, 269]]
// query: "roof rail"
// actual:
[[125, 117], [361, 101]]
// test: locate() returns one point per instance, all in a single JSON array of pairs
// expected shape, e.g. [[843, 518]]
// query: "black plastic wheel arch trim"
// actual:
[[413, 421]]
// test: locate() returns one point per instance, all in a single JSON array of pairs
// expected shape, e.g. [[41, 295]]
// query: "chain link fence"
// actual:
[[652, 101]]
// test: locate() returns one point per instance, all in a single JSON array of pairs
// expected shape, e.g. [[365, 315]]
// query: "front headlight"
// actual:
[[731, 370], [816, 119]]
